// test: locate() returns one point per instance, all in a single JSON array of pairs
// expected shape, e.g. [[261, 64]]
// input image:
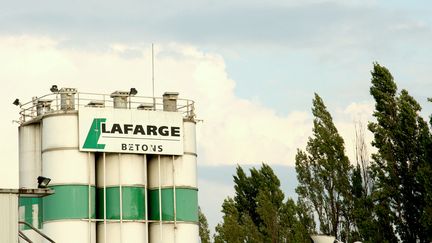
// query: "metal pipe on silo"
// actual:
[[160, 199], [173, 194], [68, 213], [90, 161], [146, 201]]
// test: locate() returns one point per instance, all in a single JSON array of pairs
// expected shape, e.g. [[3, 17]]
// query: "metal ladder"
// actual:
[[24, 237]]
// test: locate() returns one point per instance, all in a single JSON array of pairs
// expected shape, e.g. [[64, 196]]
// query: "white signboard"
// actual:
[[130, 131]]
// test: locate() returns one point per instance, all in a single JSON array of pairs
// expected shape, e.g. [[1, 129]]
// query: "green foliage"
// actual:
[[323, 174], [204, 232], [258, 212], [400, 167], [230, 230]]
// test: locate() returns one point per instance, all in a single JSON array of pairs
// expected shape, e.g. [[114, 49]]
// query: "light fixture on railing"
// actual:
[[133, 92], [43, 182], [16, 102], [54, 89]]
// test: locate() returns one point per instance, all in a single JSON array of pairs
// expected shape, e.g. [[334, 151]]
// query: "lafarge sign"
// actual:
[[130, 131]]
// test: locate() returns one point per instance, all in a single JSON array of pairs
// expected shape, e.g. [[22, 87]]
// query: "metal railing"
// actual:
[[24, 237], [21, 234], [52, 103]]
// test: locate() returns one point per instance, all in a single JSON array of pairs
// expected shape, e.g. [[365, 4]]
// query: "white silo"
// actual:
[[68, 213], [30, 208], [173, 193], [124, 180], [121, 186]]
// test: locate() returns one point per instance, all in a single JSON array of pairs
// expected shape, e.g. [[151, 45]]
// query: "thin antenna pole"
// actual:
[[153, 81]]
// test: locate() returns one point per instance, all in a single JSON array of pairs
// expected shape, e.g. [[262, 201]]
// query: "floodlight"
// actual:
[[54, 88], [16, 102], [43, 182], [133, 92]]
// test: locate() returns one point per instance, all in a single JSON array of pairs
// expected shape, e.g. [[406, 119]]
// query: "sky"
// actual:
[[251, 66]]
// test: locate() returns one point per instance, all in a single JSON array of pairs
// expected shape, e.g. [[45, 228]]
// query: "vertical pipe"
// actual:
[[175, 199], [89, 196], [145, 197], [160, 199], [120, 197], [104, 194]]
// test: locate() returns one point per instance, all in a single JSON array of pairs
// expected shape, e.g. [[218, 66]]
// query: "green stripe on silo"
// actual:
[[186, 202], [69, 202], [30, 205], [133, 203]]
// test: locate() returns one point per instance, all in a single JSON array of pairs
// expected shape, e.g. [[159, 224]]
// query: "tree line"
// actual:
[[385, 197]]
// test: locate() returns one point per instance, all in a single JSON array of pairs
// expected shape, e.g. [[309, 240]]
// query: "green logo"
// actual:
[[93, 135]]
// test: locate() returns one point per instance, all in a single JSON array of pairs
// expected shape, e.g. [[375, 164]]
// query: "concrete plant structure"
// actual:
[[123, 168]]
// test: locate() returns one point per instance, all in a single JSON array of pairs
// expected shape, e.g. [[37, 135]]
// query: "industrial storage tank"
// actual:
[[115, 166], [30, 208], [173, 192], [121, 189], [68, 214]]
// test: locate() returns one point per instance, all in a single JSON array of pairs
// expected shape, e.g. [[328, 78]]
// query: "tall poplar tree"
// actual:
[[323, 173], [402, 138]]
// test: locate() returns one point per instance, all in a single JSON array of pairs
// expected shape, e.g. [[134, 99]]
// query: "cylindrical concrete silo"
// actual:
[[30, 208], [68, 213], [124, 177], [121, 186], [173, 190]]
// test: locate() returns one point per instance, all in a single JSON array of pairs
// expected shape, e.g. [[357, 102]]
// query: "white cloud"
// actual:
[[234, 130]]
